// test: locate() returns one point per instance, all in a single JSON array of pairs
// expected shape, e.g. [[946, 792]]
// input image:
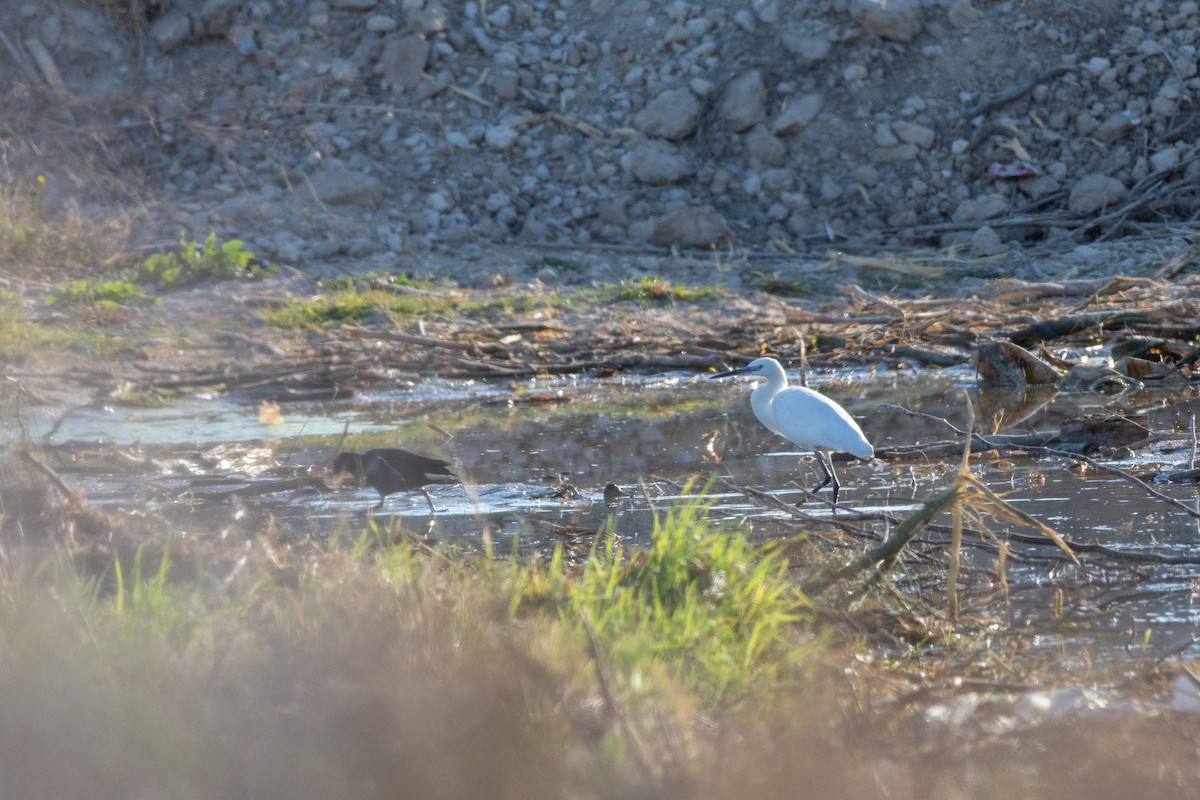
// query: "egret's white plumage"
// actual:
[[807, 419]]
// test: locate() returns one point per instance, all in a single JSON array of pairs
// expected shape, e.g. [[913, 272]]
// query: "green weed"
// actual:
[[102, 293], [196, 262]]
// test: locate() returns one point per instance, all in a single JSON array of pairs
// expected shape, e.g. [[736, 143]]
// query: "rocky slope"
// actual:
[[347, 135]]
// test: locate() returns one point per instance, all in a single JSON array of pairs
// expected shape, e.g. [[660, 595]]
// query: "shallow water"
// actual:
[[516, 443]]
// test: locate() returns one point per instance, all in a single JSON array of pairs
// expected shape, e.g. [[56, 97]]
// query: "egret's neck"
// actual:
[[760, 402]]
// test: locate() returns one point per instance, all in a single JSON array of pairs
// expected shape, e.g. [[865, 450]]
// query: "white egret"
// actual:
[[809, 420]]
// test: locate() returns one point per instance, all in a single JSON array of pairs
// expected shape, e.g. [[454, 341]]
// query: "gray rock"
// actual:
[[428, 22], [760, 144], [336, 184], [744, 102], [905, 151], [797, 113], [898, 20], [962, 14], [216, 16], [672, 115], [1094, 192], [657, 163], [1040, 186], [986, 242], [403, 60], [285, 247], [506, 83], [809, 44], [612, 211], [381, 23], [885, 135], [778, 181], [913, 133], [500, 137], [1164, 160], [980, 208], [171, 30], [1115, 126], [690, 227]]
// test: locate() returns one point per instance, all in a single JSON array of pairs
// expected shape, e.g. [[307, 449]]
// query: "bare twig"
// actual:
[[1013, 94]]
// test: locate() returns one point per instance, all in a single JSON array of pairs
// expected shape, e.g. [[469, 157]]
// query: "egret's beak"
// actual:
[[729, 372]]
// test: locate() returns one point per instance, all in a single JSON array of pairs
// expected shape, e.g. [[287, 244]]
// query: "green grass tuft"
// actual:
[[650, 291], [101, 293]]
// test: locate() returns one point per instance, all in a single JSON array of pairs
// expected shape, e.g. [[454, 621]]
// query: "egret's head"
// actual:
[[765, 367]]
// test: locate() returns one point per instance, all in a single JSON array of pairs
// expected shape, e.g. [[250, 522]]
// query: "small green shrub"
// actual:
[[195, 262], [97, 293]]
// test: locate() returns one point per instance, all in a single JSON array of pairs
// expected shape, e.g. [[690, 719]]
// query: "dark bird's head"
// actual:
[[347, 462], [613, 494]]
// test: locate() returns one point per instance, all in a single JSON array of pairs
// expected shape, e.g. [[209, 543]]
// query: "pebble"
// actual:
[[796, 114], [403, 59], [1165, 160], [381, 23], [500, 137], [672, 115], [1092, 193], [986, 242], [657, 163], [898, 20], [336, 184], [913, 133], [743, 104], [690, 227]]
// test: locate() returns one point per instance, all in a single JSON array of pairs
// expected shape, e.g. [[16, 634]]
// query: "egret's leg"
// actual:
[[428, 499], [830, 475]]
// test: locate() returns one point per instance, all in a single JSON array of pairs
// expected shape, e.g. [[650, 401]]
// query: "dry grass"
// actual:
[[41, 246]]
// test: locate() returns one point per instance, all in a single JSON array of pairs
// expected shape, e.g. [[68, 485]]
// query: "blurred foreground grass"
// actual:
[[392, 669], [389, 667]]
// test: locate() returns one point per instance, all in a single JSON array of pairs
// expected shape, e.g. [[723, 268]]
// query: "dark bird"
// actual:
[[613, 495], [390, 469]]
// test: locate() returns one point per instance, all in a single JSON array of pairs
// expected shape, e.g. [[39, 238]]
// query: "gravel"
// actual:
[[440, 134]]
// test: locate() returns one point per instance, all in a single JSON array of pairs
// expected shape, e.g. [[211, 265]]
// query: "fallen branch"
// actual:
[[1014, 94]]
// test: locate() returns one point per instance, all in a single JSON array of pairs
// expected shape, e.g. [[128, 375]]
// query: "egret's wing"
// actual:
[[813, 421]]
